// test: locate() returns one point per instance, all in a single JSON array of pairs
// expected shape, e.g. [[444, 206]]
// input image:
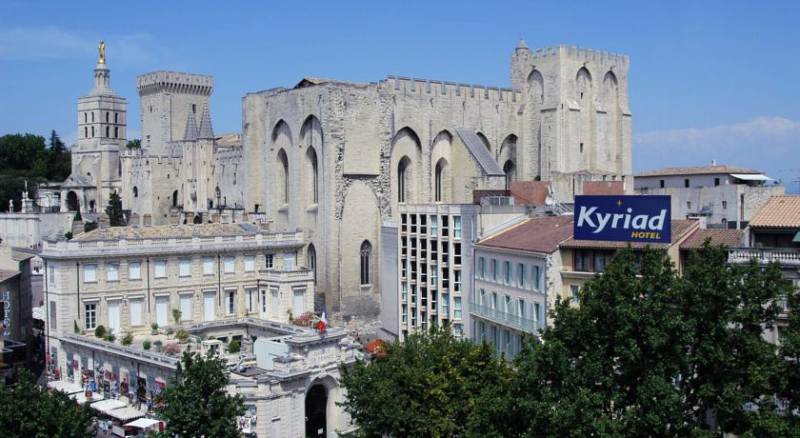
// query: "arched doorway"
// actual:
[[72, 201], [316, 411]]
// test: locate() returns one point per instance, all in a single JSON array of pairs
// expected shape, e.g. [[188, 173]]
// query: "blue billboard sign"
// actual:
[[623, 218]]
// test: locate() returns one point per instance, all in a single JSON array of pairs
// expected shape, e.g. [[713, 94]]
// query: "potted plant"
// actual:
[[146, 344], [176, 316], [100, 332], [154, 328]]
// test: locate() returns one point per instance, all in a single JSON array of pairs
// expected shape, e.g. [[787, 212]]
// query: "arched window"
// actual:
[[284, 161], [85, 132], [311, 155], [485, 141], [116, 132], [85, 118], [92, 130], [92, 116], [107, 119], [116, 117], [439, 183], [366, 252], [175, 198], [509, 170], [402, 179], [108, 131], [312, 260], [135, 192]]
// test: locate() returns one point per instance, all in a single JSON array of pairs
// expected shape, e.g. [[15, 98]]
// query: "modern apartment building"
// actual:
[[430, 255], [725, 196], [516, 276], [128, 279]]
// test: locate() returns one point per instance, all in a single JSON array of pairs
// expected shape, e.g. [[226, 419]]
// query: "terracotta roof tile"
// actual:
[[603, 188], [778, 212], [530, 192], [697, 170], [680, 227], [718, 236], [539, 234]]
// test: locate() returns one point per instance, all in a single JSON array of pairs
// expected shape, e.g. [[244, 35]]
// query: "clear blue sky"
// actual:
[[708, 79]]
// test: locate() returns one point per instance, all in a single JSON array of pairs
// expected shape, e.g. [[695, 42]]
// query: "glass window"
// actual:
[[160, 269], [112, 272], [508, 307], [249, 263], [269, 261], [535, 270], [494, 269], [186, 306], [434, 223], [185, 268], [507, 271], [134, 271], [456, 281], [481, 267], [457, 307], [276, 301], [521, 308], [231, 302], [90, 315], [456, 227], [229, 264], [135, 309], [366, 251], [573, 290], [521, 274], [208, 265], [89, 273], [493, 303], [288, 261]]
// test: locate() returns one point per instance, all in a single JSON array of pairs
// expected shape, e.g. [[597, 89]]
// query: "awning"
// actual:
[[104, 406], [143, 423], [751, 177], [125, 414], [65, 386], [81, 398]]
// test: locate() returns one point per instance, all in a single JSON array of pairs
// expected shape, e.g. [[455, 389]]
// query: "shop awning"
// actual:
[[65, 386], [143, 423], [751, 177], [104, 406], [81, 398], [125, 414]]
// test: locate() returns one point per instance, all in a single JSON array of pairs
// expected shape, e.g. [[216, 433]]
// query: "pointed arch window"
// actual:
[[402, 179], [509, 170], [439, 180], [284, 162], [366, 253], [312, 261], [312, 161], [135, 192], [108, 131]]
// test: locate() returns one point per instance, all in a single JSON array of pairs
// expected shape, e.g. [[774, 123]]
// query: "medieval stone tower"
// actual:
[[102, 122]]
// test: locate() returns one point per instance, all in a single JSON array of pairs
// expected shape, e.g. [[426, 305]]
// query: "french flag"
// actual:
[[322, 324]]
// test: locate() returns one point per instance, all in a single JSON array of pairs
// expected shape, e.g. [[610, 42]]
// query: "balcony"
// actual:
[[504, 318], [783, 256]]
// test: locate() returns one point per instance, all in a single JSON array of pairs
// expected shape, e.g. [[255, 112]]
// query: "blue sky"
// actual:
[[708, 79]]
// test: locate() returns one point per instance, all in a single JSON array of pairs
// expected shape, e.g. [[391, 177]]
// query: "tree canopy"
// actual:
[[645, 352], [27, 410], [26, 157], [116, 217], [196, 403]]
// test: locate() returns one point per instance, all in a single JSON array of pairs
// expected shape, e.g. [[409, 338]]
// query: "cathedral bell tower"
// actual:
[[102, 132]]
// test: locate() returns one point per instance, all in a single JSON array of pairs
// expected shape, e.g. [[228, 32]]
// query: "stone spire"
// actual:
[[102, 75], [205, 131], [191, 129], [522, 44]]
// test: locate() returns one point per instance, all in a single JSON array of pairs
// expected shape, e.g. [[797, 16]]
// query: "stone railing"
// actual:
[[504, 318], [783, 256], [130, 352], [278, 275]]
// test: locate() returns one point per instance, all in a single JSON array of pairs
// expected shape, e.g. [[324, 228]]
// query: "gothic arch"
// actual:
[[311, 132], [361, 221], [281, 128], [311, 260], [611, 121], [536, 86], [442, 186], [282, 171], [406, 162], [583, 84], [510, 170], [311, 180]]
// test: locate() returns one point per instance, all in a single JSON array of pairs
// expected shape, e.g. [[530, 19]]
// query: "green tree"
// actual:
[[116, 218], [59, 163], [134, 144], [24, 157], [26, 410], [428, 385], [648, 353], [196, 404]]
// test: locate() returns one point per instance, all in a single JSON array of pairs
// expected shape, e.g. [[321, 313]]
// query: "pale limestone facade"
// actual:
[[335, 159], [127, 279]]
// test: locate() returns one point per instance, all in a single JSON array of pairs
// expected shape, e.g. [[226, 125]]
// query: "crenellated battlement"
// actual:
[[599, 56], [445, 88], [174, 82]]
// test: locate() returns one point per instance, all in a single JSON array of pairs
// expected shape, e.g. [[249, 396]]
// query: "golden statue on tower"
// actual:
[[102, 49]]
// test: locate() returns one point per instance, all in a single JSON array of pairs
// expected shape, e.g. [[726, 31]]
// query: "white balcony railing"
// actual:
[[783, 256], [505, 318]]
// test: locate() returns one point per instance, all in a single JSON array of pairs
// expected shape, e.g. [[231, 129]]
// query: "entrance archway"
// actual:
[[72, 201], [316, 411]]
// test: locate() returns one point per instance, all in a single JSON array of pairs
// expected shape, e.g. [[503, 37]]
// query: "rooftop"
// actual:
[[697, 170], [5, 275], [169, 231], [680, 228], [717, 236], [530, 192], [603, 188], [778, 212], [539, 234], [229, 140]]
